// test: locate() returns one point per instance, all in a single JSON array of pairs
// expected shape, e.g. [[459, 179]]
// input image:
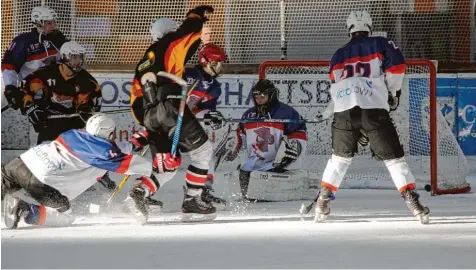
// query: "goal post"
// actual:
[[431, 149]]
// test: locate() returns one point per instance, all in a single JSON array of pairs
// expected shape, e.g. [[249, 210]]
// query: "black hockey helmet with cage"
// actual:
[[265, 87]]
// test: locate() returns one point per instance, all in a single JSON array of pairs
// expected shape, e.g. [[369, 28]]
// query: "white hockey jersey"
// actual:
[[73, 162], [264, 138], [364, 71]]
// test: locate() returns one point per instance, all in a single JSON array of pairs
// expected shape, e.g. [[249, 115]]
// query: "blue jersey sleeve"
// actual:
[[393, 60]]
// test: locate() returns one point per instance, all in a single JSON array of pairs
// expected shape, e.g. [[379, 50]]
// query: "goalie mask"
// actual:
[[359, 21], [211, 58], [72, 55], [44, 19], [264, 89]]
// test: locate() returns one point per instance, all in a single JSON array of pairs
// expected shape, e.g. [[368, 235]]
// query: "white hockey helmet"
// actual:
[[41, 14], [101, 125], [72, 54], [359, 21], [161, 27]]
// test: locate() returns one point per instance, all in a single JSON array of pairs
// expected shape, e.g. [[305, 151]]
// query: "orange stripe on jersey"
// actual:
[[8, 66], [264, 124], [356, 59], [63, 143], [332, 187], [174, 59], [298, 135], [397, 69], [136, 90], [124, 164], [51, 52], [83, 98]]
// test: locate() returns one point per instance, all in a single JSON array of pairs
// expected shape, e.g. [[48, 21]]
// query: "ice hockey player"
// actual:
[[40, 184], [30, 51], [367, 75], [62, 89], [272, 146], [203, 99], [153, 109]]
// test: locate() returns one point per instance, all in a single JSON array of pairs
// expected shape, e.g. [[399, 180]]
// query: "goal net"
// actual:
[[431, 149]]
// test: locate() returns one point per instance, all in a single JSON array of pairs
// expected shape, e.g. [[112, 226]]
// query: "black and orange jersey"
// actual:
[[170, 54], [54, 89]]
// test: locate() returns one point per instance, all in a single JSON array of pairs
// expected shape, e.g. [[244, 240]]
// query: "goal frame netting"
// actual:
[[433, 127]]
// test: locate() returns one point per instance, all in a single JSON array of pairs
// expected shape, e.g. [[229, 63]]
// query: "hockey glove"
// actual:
[[233, 146], [394, 101], [202, 11], [214, 119], [139, 140], [363, 138], [165, 162], [288, 152], [14, 96], [36, 116]]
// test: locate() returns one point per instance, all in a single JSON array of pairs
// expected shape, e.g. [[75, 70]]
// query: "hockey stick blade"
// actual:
[[5, 108], [306, 209]]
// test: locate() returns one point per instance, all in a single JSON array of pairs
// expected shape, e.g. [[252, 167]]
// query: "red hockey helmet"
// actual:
[[211, 57]]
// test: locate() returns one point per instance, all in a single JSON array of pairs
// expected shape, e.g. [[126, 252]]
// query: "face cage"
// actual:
[[67, 61]]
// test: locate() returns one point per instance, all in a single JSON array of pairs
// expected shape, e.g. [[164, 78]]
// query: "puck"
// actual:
[[428, 188]]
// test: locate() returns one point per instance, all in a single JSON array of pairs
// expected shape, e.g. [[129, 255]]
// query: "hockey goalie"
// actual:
[[276, 140]]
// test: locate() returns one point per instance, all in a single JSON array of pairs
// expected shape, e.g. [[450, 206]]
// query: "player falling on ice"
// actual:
[[30, 51], [367, 75], [40, 184], [62, 89], [272, 146], [202, 101], [154, 107]]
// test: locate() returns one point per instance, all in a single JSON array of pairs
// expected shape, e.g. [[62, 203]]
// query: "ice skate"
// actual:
[[194, 208], [14, 210], [421, 212], [322, 204], [136, 202], [154, 205], [218, 203]]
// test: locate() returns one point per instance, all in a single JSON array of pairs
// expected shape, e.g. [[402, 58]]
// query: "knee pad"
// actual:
[[400, 172], [335, 171]]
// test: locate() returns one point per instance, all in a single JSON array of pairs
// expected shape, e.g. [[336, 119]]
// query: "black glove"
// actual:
[[393, 102], [36, 115], [14, 96], [214, 119], [201, 10]]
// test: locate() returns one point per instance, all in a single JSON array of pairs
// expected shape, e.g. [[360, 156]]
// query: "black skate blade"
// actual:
[[195, 217], [140, 218]]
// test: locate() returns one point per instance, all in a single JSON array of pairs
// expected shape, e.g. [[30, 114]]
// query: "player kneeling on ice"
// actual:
[[275, 148], [40, 184], [367, 75]]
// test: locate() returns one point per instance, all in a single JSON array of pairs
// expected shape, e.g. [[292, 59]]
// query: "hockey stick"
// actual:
[[123, 182], [306, 209], [5, 108], [183, 98], [283, 121], [220, 149], [62, 116]]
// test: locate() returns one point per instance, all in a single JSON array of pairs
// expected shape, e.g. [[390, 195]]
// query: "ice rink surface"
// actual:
[[367, 229]]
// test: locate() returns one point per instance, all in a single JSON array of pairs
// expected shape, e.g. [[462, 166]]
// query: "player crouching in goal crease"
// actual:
[[363, 92], [40, 184], [274, 147]]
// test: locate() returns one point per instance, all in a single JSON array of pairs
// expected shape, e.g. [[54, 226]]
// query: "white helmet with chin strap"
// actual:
[[359, 21], [101, 125], [161, 27], [70, 49], [41, 14]]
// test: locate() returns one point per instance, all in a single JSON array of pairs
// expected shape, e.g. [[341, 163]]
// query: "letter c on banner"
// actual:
[[103, 91], [467, 112]]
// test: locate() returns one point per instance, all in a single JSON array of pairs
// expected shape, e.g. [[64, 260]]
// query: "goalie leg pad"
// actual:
[[274, 186], [400, 173], [335, 171]]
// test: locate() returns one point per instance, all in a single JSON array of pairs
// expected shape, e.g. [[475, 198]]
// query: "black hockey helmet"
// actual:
[[265, 87]]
